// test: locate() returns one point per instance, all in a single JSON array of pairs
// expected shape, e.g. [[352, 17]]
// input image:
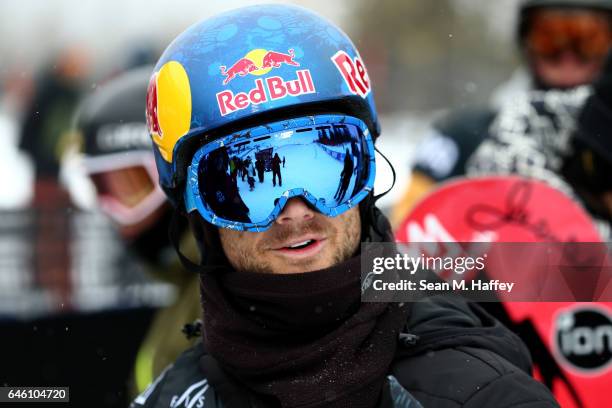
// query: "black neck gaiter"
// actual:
[[304, 339]]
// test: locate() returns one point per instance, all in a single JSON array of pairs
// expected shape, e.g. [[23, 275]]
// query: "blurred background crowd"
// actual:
[[436, 56], [69, 284]]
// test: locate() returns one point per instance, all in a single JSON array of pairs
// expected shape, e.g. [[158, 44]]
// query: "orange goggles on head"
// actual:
[[553, 32]]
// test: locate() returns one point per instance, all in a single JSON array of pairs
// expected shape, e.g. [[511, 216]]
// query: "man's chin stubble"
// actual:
[[285, 266], [340, 246]]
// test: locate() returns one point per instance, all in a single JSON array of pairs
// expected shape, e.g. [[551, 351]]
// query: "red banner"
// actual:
[[571, 343]]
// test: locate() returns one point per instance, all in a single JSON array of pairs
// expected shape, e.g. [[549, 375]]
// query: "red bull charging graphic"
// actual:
[[249, 63], [259, 62]]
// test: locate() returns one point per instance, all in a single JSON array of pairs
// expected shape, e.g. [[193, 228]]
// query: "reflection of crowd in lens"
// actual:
[[222, 174], [249, 172], [223, 168], [266, 162], [334, 136], [345, 177], [341, 135], [221, 186], [276, 170], [261, 168]]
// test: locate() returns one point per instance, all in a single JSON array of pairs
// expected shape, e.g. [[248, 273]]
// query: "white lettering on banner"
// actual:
[[432, 231]]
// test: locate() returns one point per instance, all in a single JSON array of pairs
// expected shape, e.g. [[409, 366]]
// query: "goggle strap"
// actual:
[[376, 197], [174, 234]]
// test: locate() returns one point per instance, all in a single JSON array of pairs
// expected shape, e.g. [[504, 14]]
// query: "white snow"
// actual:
[[16, 170]]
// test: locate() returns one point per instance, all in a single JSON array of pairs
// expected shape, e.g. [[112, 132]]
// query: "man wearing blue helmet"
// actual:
[[284, 325]]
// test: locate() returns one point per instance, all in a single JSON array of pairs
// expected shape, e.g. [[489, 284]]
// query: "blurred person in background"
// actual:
[[560, 137], [46, 123], [15, 93], [563, 44], [588, 167], [563, 138], [62, 302], [118, 160], [45, 133]]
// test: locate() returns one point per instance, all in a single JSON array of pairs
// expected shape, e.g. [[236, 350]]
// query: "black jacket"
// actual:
[[451, 141], [451, 354]]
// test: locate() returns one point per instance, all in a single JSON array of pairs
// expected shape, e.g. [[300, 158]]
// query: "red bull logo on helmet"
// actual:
[[272, 88], [354, 73], [168, 107], [152, 118], [258, 62]]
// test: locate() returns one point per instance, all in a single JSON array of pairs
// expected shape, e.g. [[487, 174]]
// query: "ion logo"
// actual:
[[584, 338], [353, 72]]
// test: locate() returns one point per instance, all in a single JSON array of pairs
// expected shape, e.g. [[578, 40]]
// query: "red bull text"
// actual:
[[270, 89], [354, 73]]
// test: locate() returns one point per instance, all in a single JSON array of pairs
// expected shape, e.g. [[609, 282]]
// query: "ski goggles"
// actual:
[[126, 185], [553, 32], [243, 181]]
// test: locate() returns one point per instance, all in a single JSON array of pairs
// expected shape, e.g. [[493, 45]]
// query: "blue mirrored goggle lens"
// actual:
[[243, 181]]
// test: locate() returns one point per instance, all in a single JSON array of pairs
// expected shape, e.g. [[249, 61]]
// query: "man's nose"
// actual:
[[296, 210]]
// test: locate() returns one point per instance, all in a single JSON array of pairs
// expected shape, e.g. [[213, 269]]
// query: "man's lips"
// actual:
[[297, 241], [301, 247]]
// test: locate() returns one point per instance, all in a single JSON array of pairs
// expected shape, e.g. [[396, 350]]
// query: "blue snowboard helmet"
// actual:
[[250, 66]]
